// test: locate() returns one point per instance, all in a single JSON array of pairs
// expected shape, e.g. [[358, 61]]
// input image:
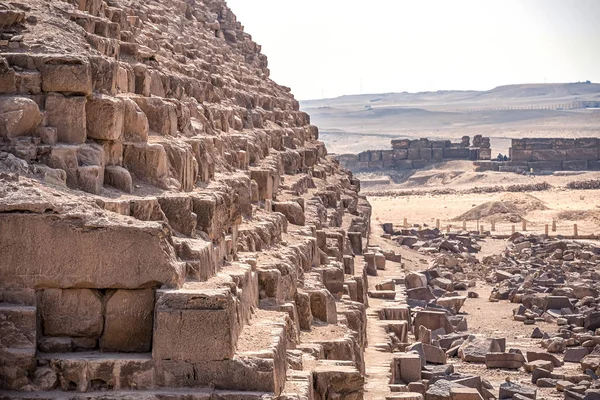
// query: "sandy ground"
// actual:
[[564, 206]]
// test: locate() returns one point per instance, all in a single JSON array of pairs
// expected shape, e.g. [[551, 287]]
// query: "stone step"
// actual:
[[17, 344], [258, 364], [162, 394], [217, 308], [94, 371]]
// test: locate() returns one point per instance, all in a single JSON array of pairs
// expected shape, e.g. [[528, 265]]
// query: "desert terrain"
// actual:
[[350, 124]]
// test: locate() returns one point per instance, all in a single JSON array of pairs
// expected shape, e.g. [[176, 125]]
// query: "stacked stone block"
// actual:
[[557, 154], [179, 230], [418, 153]]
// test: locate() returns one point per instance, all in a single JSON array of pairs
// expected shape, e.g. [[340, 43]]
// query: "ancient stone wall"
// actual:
[[414, 154], [170, 225], [557, 154]]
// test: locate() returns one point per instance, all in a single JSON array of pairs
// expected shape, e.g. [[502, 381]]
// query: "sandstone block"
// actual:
[[19, 116], [67, 115], [128, 322], [104, 117], [71, 312]]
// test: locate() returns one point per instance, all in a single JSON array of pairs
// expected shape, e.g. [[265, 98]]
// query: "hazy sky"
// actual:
[[327, 48]]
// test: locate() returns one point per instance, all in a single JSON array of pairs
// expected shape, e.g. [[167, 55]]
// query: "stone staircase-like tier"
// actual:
[[171, 227]]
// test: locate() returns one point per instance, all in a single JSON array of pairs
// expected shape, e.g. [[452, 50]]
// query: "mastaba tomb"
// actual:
[[170, 225]]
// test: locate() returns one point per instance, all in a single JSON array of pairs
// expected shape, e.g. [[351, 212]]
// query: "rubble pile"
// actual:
[[433, 240], [554, 281]]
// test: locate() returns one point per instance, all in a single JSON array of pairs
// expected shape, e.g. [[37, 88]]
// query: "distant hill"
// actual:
[[356, 122]]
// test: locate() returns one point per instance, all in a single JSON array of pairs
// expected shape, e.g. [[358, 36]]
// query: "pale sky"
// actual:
[[328, 48]]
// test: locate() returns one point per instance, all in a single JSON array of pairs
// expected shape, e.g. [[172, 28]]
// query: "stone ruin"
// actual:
[[170, 225], [547, 155], [418, 153]]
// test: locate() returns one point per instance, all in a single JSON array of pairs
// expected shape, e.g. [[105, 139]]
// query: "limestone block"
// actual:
[[17, 326], [292, 211], [7, 77], [67, 114], [104, 117], [474, 349], [15, 367], [182, 163], [128, 321], [117, 261], [47, 134], [19, 116], [195, 325], [66, 74], [305, 316], [119, 178], [161, 114], [28, 82], [338, 382], [65, 157], [264, 180], [148, 162], [433, 320], [179, 212], [587, 154], [548, 155], [90, 178], [135, 122], [504, 360], [71, 312], [322, 305], [104, 74], [415, 280]]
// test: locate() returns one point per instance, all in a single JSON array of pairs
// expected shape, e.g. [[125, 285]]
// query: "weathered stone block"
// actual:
[[119, 178], [147, 161], [66, 74], [67, 115], [71, 312], [582, 154], [548, 155], [128, 321], [117, 261], [17, 326], [135, 122], [195, 325], [19, 116], [104, 117], [161, 114]]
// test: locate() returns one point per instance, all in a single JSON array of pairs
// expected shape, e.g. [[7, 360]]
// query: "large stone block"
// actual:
[[588, 142], [71, 312], [128, 321], [161, 114], [135, 122], [117, 261], [583, 153], [19, 116], [520, 155], [460, 153], [66, 74], [548, 155], [195, 325], [147, 161], [67, 115], [433, 320], [17, 326], [104, 117]]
